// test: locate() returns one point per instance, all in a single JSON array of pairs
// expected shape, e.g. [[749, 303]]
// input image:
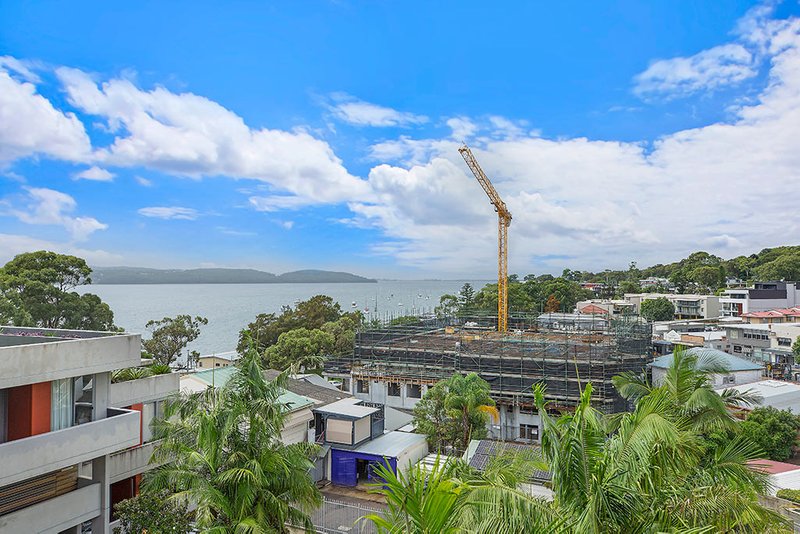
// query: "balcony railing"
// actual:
[[36, 455]]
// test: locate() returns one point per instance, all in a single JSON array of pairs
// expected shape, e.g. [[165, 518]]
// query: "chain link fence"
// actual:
[[339, 517]]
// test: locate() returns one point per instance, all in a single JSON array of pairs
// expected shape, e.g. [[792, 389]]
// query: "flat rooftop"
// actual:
[[13, 336], [349, 407]]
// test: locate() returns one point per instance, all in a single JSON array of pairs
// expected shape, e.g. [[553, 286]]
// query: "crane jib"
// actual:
[[504, 220]]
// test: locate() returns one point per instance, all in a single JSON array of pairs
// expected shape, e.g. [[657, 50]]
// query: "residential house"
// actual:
[[222, 359], [610, 308], [739, 371], [780, 315]]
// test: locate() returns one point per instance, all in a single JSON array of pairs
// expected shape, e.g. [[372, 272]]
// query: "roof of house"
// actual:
[[733, 363], [780, 312], [392, 444], [220, 376], [593, 309], [771, 466], [349, 407], [321, 395], [776, 393], [481, 452]]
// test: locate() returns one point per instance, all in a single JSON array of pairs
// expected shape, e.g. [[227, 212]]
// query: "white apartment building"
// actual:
[[763, 296], [688, 306], [72, 443]]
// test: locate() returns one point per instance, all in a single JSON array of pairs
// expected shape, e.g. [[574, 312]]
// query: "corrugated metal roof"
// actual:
[[733, 363], [392, 444], [349, 407]]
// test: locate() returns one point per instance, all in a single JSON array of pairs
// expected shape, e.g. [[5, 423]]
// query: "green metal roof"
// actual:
[[732, 362], [219, 376]]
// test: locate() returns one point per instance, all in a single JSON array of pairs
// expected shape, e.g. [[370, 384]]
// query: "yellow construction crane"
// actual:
[[504, 221]]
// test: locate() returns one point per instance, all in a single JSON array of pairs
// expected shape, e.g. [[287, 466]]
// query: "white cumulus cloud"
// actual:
[[43, 206], [96, 174], [189, 135], [30, 125]]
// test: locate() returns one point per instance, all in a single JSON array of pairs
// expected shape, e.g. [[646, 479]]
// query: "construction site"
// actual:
[[564, 352], [396, 364]]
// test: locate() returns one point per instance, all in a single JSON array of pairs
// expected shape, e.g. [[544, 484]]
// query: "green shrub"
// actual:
[[790, 495]]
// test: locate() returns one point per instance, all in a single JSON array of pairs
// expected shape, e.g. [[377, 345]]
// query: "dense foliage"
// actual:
[[660, 309], [454, 411], [169, 336], [702, 271], [35, 290], [789, 494], [148, 512], [222, 452], [304, 335], [644, 471], [773, 430]]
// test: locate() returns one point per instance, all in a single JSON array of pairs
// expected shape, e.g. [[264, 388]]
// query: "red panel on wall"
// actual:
[[28, 410]]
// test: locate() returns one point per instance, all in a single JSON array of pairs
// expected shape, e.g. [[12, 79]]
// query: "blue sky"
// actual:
[[324, 135]]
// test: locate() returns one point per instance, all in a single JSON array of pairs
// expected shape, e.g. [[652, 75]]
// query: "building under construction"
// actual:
[[395, 365]]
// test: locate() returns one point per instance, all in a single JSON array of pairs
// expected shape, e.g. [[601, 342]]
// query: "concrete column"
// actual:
[[100, 524], [100, 390]]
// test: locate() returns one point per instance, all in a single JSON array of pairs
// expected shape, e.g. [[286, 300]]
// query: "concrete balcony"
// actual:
[[148, 389], [57, 514], [31, 355], [130, 462], [29, 457]]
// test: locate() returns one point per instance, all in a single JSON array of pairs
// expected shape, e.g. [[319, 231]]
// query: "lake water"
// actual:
[[229, 307]]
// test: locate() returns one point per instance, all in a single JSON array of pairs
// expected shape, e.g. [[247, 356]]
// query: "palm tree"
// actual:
[[221, 451], [688, 383], [469, 402], [647, 471], [451, 497]]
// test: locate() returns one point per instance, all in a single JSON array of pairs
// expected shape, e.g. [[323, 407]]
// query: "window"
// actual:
[[218, 365], [528, 432], [737, 348], [527, 410], [199, 364], [61, 404], [362, 386], [394, 389], [729, 379], [414, 391], [784, 342]]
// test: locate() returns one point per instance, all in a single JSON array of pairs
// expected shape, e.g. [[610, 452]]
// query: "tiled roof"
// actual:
[[772, 467], [780, 312], [593, 309], [321, 395]]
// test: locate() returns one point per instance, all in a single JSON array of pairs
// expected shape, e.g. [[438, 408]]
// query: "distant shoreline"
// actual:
[[146, 276]]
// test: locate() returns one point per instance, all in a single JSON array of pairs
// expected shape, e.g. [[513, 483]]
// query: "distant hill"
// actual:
[[141, 275]]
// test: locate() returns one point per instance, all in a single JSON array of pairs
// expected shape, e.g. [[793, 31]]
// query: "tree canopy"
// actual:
[[36, 290], [454, 411], [773, 430], [660, 309], [169, 336]]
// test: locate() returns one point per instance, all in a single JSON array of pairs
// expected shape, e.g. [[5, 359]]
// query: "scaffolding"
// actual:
[[562, 351]]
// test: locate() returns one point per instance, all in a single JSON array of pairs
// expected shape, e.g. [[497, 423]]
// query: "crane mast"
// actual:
[[504, 221]]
